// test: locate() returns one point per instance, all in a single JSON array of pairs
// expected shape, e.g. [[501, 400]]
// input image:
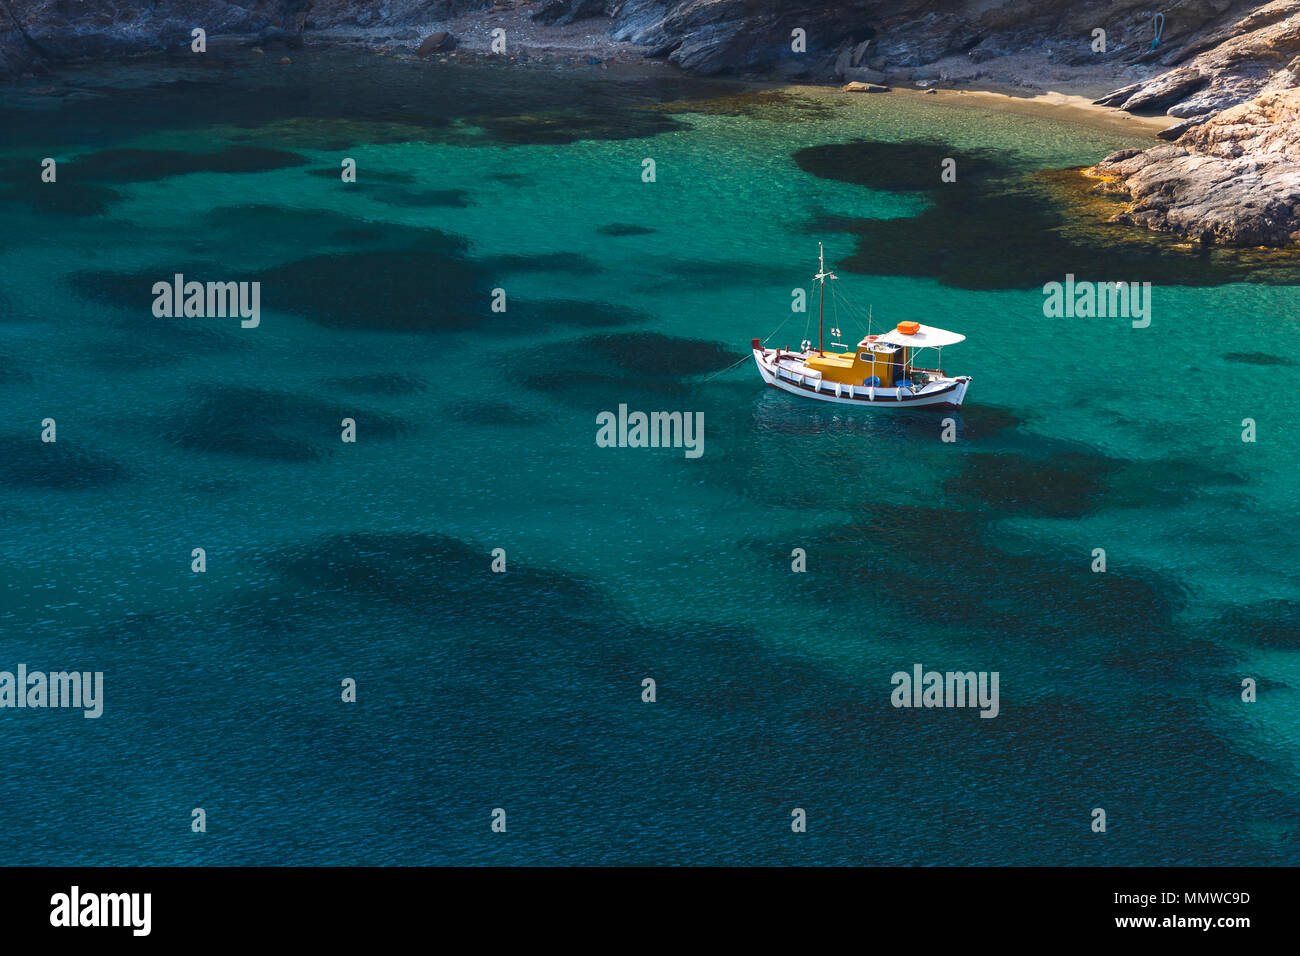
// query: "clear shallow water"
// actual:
[[521, 691]]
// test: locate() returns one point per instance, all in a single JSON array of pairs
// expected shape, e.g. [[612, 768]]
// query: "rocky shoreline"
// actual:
[[1212, 58], [1231, 180]]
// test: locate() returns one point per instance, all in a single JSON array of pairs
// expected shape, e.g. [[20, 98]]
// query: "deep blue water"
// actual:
[[476, 430]]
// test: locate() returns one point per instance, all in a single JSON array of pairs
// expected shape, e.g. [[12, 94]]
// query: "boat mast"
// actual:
[[822, 275]]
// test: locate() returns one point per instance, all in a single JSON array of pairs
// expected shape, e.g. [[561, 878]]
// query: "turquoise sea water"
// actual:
[[476, 431]]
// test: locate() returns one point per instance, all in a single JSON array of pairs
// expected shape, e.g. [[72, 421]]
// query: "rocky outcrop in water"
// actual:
[[436, 43], [1231, 175], [1232, 180], [1212, 56]]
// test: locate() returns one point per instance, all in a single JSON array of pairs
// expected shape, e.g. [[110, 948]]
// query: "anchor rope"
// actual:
[[1158, 27], [748, 357]]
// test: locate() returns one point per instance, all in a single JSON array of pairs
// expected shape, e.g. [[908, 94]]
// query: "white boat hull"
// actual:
[[786, 371]]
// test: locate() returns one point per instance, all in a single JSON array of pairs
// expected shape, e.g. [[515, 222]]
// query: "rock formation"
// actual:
[[1213, 56], [1232, 180], [1212, 49], [1257, 53], [42, 32], [1232, 173], [436, 43]]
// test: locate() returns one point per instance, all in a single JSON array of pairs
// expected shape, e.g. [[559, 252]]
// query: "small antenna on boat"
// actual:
[[821, 276]]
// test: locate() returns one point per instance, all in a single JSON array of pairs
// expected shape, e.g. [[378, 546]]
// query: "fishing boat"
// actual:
[[882, 371]]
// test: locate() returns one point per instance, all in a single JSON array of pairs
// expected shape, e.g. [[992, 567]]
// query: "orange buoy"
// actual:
[[909, 328]]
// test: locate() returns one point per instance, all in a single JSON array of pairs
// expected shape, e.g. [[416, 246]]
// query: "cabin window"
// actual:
[[864, 357]]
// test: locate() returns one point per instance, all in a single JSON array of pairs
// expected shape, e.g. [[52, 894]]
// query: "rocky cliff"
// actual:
[[1212, 53], [1233, 180], [1211, 56], [1211, 49], [1255, 53], [36, 33], [1232, 174]]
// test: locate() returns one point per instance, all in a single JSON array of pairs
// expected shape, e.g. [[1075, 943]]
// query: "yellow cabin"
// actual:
[[882, 361]]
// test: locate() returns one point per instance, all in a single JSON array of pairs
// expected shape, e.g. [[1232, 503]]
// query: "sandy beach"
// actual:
[[1065, 107], [998, 84]]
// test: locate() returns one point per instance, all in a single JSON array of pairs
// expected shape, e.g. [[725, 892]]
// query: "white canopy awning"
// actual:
[[925, 337]]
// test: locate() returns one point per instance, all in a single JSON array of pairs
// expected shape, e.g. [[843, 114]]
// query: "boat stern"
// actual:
[[761, 360], [964, 383]]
